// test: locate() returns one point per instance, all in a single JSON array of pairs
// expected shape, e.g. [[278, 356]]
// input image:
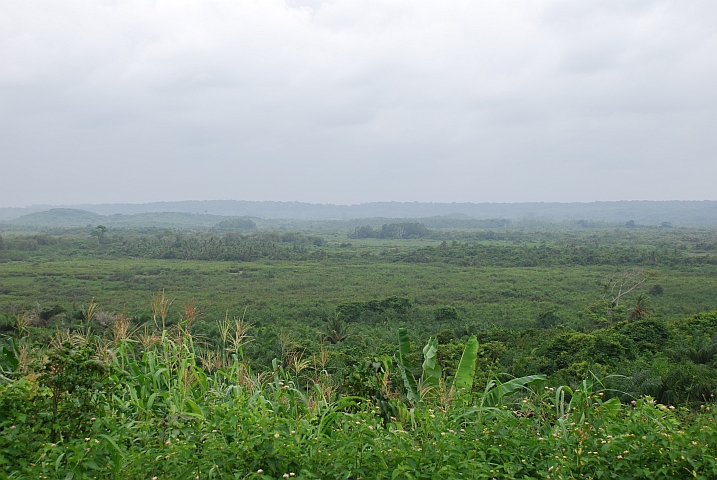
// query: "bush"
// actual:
[[648, 335], [446, 314], [706, 321]]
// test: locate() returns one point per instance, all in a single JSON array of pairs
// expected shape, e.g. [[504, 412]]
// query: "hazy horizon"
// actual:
[[655, 213], [215, 200], [357, 101]]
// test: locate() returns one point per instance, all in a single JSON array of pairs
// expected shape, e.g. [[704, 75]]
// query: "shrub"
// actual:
[[648, 335]]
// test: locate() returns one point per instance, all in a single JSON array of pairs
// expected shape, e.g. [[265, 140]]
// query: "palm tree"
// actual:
[[641, 309], [336, 330], [699, 349]]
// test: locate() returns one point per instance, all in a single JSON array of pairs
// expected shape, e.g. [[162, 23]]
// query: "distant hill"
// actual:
[[73, 218], [642, 212], [15, 212], [58, 218]]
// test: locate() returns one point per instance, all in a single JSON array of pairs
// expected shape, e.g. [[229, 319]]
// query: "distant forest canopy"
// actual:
[[62, 221], [641, 212], [392, 230]]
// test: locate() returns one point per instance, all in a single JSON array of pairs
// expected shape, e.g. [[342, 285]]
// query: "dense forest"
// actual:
[[387, 351]]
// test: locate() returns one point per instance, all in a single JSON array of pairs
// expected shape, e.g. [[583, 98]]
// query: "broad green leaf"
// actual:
[[196, 411], [409, 381], [150, 401], [404, 343], [431, 369], [112, 442], [467, 366], [494, 396], [611, 407]]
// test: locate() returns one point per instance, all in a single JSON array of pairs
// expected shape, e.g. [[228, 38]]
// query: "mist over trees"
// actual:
[[641, 212], [393, 230]]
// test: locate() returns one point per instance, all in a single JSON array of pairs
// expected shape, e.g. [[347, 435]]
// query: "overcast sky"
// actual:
[[351, 101]]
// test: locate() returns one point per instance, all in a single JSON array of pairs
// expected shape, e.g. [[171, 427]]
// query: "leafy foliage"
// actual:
[[392, 230], [292, 422]]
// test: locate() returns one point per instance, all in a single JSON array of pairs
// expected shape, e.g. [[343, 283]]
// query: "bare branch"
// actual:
[[625, 283]]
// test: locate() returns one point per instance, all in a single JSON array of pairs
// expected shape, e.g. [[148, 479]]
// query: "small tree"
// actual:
[[336, 330], [78, 382], [99, 232], [641, 309]]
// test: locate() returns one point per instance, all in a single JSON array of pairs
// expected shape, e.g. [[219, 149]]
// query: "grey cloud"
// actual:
[[356, 100]]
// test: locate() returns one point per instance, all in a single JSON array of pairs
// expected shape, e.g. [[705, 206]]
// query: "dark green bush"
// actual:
[[648, 335]]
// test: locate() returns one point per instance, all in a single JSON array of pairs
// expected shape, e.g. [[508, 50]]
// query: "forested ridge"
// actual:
[[650, 212]]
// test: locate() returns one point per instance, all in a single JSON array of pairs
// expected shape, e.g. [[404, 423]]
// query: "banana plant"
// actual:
[[432, 373]]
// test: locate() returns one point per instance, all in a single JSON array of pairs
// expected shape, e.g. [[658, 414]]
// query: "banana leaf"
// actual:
[[493, 396], [431, 369], [467, 366], [409, 381]]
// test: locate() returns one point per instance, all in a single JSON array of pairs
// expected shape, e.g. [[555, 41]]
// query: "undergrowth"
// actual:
[[152, 403]]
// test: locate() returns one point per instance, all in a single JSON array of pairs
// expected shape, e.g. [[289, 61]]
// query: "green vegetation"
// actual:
[[504, 353], [392, 230], [677, 213]]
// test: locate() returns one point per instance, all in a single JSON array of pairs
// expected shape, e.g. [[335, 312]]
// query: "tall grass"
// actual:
[[164, 409]]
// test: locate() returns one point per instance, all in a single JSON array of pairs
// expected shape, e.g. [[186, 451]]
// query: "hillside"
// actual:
[[73, 218], [58, 218]]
